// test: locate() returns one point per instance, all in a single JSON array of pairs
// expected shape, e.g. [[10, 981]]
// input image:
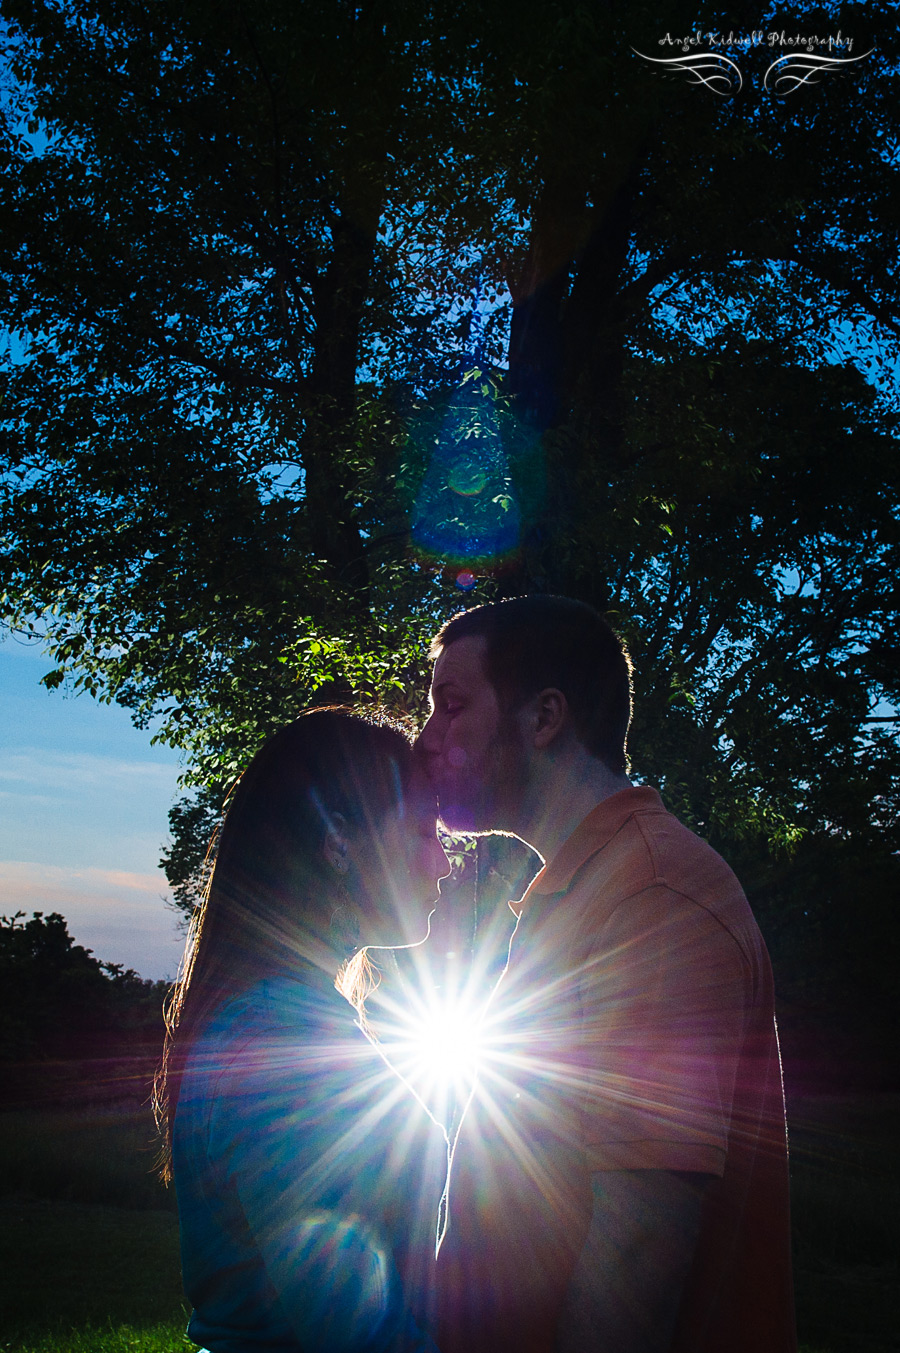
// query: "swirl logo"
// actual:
[[718, 73], [790, 73]]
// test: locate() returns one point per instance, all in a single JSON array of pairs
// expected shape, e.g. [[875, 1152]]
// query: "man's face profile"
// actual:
[[470, 749]]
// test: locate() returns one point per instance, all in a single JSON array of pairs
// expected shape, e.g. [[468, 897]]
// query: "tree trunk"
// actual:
[[330, 431], [566, 359]]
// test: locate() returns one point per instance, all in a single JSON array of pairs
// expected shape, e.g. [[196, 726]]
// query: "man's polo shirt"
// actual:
[[633, 1029]]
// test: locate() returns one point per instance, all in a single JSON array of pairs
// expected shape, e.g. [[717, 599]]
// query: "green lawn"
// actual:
[[89, 1239], [845, 1180], [85, 1277], [93, 1154], [88, 1235], [117, 1339]]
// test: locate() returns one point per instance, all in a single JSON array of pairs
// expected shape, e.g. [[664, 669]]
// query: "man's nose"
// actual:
[[428, 743]]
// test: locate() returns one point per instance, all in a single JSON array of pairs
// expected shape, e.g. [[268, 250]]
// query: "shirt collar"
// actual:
[[591, 835]]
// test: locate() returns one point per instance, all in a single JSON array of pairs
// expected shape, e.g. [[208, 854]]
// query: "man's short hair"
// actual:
[[540, 641]]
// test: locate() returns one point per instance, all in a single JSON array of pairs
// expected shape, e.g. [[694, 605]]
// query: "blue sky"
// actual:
[[84, 799]]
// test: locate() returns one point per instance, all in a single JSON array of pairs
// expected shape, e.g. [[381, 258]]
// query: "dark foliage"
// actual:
[[320, 306], [58, 1001]]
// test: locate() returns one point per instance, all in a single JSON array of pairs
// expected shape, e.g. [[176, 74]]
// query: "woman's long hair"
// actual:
[[273, 901]]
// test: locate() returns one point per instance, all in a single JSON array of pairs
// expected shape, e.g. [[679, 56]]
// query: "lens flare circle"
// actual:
[[466, 479]]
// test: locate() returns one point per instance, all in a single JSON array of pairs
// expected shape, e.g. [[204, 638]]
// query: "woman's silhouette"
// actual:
[[307, 1175]]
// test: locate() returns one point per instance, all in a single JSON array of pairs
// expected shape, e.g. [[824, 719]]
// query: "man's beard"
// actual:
[[486, 800]]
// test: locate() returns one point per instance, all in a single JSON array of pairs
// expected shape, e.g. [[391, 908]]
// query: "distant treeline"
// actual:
[[58, 1001]]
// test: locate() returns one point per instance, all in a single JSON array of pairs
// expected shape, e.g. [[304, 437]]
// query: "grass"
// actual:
[[84, 1276], [89, 1239], [845, 1182], [88, 1235], [92, 1154], [118, 1339]]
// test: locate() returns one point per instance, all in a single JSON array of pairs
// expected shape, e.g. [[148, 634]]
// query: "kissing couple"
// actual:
[[619, 1179]]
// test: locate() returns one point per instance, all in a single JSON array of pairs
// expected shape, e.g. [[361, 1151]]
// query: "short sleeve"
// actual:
[[663, 995]]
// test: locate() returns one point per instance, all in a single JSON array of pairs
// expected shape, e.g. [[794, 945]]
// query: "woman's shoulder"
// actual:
[[282, 1037], [272, 1024], [282, 1005]]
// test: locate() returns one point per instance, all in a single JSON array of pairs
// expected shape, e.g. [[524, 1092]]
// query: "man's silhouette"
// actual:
[[620, 1180]]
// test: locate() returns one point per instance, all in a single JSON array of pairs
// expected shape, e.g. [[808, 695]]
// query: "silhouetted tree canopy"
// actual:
[[331, 316], [58, 1000]]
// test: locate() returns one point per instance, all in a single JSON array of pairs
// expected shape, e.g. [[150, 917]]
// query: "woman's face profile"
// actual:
[[399, 864]]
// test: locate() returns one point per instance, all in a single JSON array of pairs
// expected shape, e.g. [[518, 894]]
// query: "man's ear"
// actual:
[[550, 713], [336, 846]]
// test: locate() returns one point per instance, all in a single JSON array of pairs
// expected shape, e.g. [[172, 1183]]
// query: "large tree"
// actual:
[[319, 307]]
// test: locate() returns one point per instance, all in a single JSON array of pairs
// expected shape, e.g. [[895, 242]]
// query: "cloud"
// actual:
[[118, 914], [14, 796], [62, 772], [106, 887]]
